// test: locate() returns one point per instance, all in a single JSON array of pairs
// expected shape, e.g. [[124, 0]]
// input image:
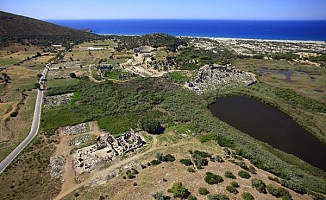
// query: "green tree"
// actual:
[[179, 191], [37, 85], [73, 75], [150, 125]]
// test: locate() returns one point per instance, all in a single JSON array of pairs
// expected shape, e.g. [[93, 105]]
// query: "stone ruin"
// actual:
[[212, 77], [79, 128], [57, 100], [56, 166], [107, 148]]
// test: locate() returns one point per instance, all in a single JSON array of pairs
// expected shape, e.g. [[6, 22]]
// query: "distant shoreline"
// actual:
[[243, 39], [301, 31]]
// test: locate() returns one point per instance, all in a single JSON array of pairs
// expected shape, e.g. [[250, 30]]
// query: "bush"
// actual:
[[252, 169], [229, 174], [247, 196], [284, 193], [130, 175], [234, 184], [259, 185], [203, 191], [160, 196], [244, 174], [213, 178], [192, 197], [219, 159], [169, 158], [155, 162], [14, 114], [217, 197], [186, 162], [191, 169], [243, 165], [274, 179], [232, 189], [273, 190]]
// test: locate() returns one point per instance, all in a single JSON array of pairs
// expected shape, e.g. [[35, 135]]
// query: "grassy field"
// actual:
[[61, 82], [22, 80], [102, 43]]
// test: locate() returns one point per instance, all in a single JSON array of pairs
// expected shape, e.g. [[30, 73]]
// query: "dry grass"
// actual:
[[23, 77], [150, 180]]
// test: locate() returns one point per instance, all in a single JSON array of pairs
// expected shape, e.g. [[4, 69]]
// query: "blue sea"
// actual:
[[248, 29]]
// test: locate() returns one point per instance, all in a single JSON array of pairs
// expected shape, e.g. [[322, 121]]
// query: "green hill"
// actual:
[[16, 28]]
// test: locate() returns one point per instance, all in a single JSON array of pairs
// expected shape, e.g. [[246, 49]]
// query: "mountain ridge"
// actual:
[[16, 28]]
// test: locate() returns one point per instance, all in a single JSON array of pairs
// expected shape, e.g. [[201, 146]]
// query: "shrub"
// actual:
[[243, 165], [186, 162], [229, 174], [169, 158], [252, 169], [219, 159], [293, 186], [14, 114], [217, 197], [213, 178], [191, 169], [155, 162], [244, 174], [284, 193], [232, 189], [165, 180], [259, 185], [199, 161], [134, 184], [130, 175], [192, 197], [273, 190], [234, 184], [160, 196], [247, 196], [274, 179], [203, 191]]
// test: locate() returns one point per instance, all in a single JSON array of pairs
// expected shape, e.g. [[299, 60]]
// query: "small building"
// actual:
[[3, 68], [95, 48], [57, 45]]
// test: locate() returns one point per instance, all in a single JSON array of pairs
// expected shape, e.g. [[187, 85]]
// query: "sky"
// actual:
[[168, 9]]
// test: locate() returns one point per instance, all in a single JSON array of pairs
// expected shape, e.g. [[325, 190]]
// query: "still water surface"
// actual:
[[272, 126]]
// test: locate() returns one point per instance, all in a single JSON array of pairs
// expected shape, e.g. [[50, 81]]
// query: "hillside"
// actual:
[[16, 28]]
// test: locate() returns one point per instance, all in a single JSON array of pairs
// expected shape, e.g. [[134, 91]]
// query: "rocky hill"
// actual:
[[16, 28]]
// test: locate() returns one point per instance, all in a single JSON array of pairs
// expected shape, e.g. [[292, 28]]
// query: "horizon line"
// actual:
[[194, 19]]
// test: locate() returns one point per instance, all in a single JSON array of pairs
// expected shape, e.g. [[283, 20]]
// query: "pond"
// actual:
[[272, 126]]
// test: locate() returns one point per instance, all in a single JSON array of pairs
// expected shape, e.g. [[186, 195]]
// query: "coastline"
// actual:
[[232, 39]]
